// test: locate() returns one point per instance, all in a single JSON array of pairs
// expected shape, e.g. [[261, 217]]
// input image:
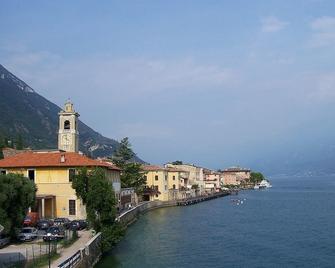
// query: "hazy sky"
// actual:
[[214, 83]]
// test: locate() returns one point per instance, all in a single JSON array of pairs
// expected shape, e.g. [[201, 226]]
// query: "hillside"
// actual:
[[26, 113]]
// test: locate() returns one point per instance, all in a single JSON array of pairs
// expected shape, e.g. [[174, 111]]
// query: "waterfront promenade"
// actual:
[[66, 253]]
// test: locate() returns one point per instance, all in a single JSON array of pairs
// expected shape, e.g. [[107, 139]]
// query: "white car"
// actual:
[[27, 234]]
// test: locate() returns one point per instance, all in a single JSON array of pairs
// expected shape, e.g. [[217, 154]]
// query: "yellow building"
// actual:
[[52, 172], [165, 184], [157, 183]]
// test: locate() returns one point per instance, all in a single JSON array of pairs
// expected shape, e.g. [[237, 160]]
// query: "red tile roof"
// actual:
[[152, 168], [52, 159]]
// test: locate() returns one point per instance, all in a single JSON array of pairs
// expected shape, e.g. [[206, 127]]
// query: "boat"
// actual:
[[256, 187], [264, 184]]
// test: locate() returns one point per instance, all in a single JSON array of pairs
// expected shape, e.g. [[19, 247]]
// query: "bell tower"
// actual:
[[68, 135]]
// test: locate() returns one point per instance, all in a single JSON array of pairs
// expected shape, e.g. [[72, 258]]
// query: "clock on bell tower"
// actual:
[[68, 135]]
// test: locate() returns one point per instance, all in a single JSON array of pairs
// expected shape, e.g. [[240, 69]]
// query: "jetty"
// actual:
[[198, 199]]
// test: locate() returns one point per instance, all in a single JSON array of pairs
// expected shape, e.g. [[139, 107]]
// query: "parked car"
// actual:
[[83, 224], [31, 219], [78, 225], [54, 233], [27, 234], [4, 240], [62, 221], [44, 224]]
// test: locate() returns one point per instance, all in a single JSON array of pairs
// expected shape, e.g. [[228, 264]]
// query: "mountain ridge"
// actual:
[[27, 114]]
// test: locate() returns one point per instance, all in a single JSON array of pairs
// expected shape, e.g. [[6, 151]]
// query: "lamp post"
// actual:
[[49, 241]]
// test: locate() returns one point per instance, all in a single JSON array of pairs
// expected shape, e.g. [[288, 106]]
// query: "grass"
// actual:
[[42, 260]]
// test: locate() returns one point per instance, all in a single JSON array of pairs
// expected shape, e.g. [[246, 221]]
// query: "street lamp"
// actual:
[[49, 241]]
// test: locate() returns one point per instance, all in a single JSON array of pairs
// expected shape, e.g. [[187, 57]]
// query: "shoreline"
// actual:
[[89, 258]]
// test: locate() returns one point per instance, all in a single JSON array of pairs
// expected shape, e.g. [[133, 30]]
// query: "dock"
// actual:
[[198, 199]]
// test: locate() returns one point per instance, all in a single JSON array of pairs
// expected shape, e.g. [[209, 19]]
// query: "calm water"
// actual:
[[290, 225]]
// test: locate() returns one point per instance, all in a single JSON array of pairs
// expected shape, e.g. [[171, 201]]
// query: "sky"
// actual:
[[214, 83]]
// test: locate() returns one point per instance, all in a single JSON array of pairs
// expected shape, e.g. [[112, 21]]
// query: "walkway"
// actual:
[[66, 253]]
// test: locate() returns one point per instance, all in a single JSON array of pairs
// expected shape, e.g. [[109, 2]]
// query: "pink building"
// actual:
[[212, 181], [235, 175]]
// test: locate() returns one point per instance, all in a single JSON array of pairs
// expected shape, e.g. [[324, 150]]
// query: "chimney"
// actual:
[[62, 158]]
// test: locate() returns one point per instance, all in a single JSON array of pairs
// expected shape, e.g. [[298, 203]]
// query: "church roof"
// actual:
[[33, 159]]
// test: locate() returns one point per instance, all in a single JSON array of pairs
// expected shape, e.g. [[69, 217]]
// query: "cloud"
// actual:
[[272, 24], [108, 76], [323, 32]]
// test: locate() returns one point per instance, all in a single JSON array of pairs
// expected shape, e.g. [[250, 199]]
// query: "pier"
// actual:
[[198, 199]]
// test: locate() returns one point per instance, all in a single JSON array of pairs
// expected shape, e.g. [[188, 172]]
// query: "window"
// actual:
[[67, 124], [166, 177], [156, 177], [72, 207], [3, 172], [156, 188], [72, 173], [165, 187], [174, 177], [146, 178], [174, 186], [31, 174]]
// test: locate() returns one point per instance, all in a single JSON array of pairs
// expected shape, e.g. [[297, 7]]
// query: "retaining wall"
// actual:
[[129, 216]]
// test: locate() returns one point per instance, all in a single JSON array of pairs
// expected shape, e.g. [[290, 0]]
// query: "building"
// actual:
[[195, 176], [165, 183], [128, 198], [177, 183], [53, 170], [235, 175], [213, 180], [157, 183]]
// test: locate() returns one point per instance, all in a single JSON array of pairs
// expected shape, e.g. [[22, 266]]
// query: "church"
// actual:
[[52, 170]]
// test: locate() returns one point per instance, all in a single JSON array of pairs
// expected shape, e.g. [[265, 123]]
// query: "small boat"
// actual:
[[256, 187], [264, 184]]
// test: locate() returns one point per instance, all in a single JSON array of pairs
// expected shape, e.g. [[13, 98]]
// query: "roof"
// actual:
[[160, 168], [236, 169], [173, 169], [153, 168], [52, 159]]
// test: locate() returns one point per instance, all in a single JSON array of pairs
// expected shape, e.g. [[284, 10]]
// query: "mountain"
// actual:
[[29, 115]]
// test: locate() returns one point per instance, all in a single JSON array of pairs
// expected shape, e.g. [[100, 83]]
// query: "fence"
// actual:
[[87, 256], [31, 253]]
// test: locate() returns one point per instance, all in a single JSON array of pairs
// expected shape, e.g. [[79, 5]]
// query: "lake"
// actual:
[[289, 225]]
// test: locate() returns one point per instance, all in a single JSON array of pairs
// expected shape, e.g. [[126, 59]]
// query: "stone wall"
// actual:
[[131, 215]]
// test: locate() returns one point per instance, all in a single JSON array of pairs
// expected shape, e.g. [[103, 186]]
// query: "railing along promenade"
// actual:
[[198, 199]]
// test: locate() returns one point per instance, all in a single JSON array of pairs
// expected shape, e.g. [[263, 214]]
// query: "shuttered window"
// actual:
[[72, 173], [72, 207]]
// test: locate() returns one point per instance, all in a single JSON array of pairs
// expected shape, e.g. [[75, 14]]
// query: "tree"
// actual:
[[17, 194], [132, 175], [124, 153], [97, 194], [177, 162], [256, 177], [19, 143], [2, 145]]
